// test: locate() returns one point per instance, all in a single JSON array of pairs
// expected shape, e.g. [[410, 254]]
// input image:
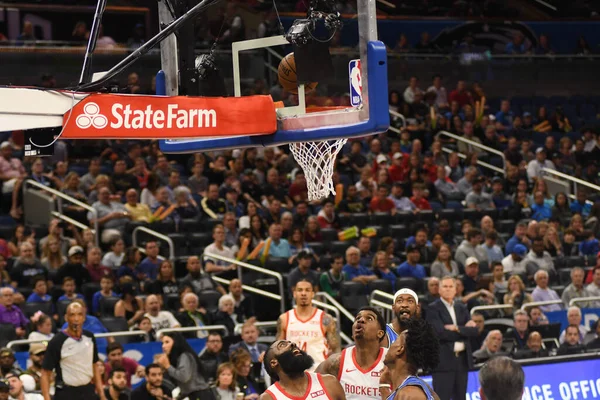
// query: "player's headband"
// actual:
[[406, 291]]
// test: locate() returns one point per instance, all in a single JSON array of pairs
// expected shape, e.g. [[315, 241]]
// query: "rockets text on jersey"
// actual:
[[315, 390], [358, 383], [308, 335]]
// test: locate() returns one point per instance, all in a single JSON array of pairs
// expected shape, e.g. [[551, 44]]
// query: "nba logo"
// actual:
[[355, 83]]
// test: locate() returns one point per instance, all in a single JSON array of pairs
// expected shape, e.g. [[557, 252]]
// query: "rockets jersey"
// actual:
[[413, 381], [308, 335], [315, 390], [391, 334], [358, 383]]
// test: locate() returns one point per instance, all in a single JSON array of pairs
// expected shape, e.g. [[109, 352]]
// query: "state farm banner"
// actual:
[[113, 116]]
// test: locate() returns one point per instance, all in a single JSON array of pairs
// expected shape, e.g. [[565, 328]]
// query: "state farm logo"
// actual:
[[91, 117], [127, 117]]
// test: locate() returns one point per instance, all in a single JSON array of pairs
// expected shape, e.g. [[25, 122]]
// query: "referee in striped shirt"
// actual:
[[73, 354]]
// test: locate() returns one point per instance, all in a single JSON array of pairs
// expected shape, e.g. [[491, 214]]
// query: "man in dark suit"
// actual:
[[249, 342], [454, 328]]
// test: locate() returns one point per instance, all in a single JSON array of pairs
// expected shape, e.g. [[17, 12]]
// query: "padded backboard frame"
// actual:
[[370, 118]]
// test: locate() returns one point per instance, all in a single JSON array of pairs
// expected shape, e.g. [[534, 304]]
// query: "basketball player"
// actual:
[[287, 366], [405, 306], [309, 328], [358, 367], [416, 348]]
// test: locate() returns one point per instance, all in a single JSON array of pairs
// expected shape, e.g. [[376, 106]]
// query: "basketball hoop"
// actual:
[[317, 160]]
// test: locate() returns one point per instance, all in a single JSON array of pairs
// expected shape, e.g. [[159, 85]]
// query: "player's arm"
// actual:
[[331, 334], [330, 366], [333, 387], [410, 393], [281, 323], [266, 396]]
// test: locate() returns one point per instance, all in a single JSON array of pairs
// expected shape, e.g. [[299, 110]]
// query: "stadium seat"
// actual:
[[317, 247], [190, 225], [25, 291], [209, 299], [353, 296], [88, 290], [470, 214], [61, 308], [345, 220], [171, 302], [451, 214], [484, 267], [200, 239], [117, 324], [408, 282], [505, 226], [7, 334], [381, 284], [361, 220], [107, 305], [164, 227], [564, 276], [339, 247], [278, 264], [426, 216], [180, 266], [31, 308], [210, 223], [404, 217], [574, 261], [329, 235], [398, 231], [380, 218]]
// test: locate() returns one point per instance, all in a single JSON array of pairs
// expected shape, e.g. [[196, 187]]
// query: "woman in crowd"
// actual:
[[244, 233], [226, 384], [165, 283], [130, 263], [552, 243], [251, 211], [541, 186], [129, 307], [516, 295], [52, 257], [183, 207], [444, 264], [148, 196], [312, 232], [225, 315], [114, 258], [381, 268], [19, 236], [247, 383], [297, 243], [182, 366], [561, 208], [258, 229], [577, 226], [387, 245]]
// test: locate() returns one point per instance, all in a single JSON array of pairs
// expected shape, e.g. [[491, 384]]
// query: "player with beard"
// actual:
[[358, 367], [405, 306], [308, 327], [117, 385], [416, 348], [287, 366]]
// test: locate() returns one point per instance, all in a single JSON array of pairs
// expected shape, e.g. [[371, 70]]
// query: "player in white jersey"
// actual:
[[287, 366], [405, 306], [417, 347], [358, 367], [310, 328]]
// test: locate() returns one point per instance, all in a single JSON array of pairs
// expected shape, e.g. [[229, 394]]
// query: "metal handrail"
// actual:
[[249, 289], [193, 329], [491, 307], [61, 196], [69, 220], [157, 235], [241, 265], [98, 335], [583, 300], [263, 324], [326, 306], [381, 293], [540, 303], [479, 162], [402, 118], [575, 181], [335, 303], [381, 304], [475, 144]]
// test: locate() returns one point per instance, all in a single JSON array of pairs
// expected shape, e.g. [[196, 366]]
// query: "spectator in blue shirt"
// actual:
[[590, 246], [517, 46], [504, 117], [381, 267], [353, 270], [278, 247], [520, 237], [541, 210], [68, 287], [411, 267], [149, 265], [106, 286], [580, 206], [92, 324], [40, 291]]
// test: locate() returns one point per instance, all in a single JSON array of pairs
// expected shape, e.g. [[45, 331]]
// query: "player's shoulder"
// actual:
[[410, 393], [266, 396]]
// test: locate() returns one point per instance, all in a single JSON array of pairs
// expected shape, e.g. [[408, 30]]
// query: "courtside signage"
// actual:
[[124, 116]]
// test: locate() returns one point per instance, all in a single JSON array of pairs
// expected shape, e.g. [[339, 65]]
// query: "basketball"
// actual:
[[288, 78]]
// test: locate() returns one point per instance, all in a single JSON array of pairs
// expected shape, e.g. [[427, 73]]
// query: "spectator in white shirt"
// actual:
[[441, 96], [594, 287], [515, 263], [401, 202], [574, 318], [158, 318], [535, 167], [542, 259], [411, 90]]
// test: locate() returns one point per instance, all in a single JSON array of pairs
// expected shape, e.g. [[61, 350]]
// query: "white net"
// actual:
[[317, 159]]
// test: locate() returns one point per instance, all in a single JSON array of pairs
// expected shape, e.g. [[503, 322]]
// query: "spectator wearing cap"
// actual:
[[353, 270], [26, 266], [536, 167], [411, 267], [515, 262], [469, 247], [7, 362], [37, 352], [477, 198], [543, 293], [471, 276], [397, 171], [331, 281], [11, 314], [16, 381], [303, 271], [74, 268]]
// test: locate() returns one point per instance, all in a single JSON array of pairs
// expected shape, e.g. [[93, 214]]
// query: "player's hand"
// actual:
[[451, 327], [261, 357]]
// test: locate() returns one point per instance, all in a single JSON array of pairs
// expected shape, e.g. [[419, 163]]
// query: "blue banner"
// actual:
[[572, 380], [588, 317], [143, 353]]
